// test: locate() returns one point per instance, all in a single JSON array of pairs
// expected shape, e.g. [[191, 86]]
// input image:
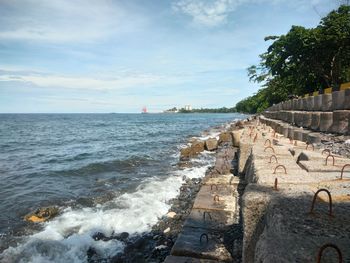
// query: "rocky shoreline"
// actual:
[[156, 245]]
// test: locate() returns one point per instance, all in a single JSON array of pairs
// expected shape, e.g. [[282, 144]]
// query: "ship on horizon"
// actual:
[[144, 110]]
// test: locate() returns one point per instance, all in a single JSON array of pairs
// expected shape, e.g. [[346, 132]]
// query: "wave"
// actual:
[[68, 237]]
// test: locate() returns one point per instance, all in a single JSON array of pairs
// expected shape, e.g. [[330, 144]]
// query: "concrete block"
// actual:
[[327, 102], [298, 118], [317, 103], [326, 120], [300, 104], [243, 153], [304, 135], [208, 219], [313, 138], [225, 137], [290, 117], [307, 118], [236, 135], [297, 134], [188, 244], [309, 104], [347, 100], [211, 144], [304, 104], [255, 202], [338, 99], [285, 131], [205, 198], [291, 133], [294, 104], [315, 121], [341, 122]]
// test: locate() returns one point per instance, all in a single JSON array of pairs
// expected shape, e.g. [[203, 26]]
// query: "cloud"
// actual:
[[61, 21], [207, 12], [114, 82]]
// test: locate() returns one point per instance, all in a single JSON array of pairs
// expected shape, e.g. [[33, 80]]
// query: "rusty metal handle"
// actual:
[[216, 198], [280, 165], [274, 157], [211, 187], [206, 213], [275, 186], [319, 255], [269, 147], [206, 237], [314, 200], [267, 140], [332, 158], [342, 171], [308, 144]]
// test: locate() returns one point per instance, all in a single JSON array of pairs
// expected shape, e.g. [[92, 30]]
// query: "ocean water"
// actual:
[[107, 173]]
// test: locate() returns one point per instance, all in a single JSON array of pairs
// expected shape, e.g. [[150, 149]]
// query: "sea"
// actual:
[[108, 173]]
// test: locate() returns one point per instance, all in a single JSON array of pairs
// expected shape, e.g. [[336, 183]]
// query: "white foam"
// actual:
[[68, 237]]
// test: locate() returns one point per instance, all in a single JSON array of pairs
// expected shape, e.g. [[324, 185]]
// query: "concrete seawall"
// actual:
[[258, 203]]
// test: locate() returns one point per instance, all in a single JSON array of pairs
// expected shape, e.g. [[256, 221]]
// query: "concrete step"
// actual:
[[189, 244]]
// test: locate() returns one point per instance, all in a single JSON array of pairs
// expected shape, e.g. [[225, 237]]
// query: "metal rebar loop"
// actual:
[[329, 245], [206, 238], [314, 200], [274, 157], [308, 144], [332, 159], [278, 166], [267, 140], [216, 198], [342, 171]]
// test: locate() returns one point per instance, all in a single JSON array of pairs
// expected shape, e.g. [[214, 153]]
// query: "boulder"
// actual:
[[225, 137], [211, 144], [185, 153], [197, 147], [42, 214]]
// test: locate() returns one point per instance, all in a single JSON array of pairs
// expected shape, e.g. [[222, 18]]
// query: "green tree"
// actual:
[[302, 61]]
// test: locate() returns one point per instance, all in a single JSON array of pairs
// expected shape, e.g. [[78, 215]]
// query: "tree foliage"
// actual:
[[302, 61]]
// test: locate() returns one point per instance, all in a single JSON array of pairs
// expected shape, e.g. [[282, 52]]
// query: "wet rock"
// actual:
[[99, 236], [197, 147], [42, 214], [211, 144], [225, 137], [171, 214], [123, 236], [185, 154]]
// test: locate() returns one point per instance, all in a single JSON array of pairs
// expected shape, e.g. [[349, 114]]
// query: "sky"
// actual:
[[97, 56]]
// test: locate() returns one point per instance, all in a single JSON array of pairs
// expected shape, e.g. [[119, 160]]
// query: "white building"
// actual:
[[188, 107]]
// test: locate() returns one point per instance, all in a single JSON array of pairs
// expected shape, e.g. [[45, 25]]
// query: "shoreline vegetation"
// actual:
[[202, 110], [302, 61]]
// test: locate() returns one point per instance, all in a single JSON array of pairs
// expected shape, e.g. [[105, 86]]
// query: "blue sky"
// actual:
[[118, 56]]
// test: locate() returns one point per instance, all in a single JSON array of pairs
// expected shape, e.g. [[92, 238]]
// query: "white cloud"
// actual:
[[213, 13], [65, 20], [207, 12], [47, 80]]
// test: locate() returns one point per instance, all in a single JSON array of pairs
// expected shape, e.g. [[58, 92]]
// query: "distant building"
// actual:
[[188, 107]]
